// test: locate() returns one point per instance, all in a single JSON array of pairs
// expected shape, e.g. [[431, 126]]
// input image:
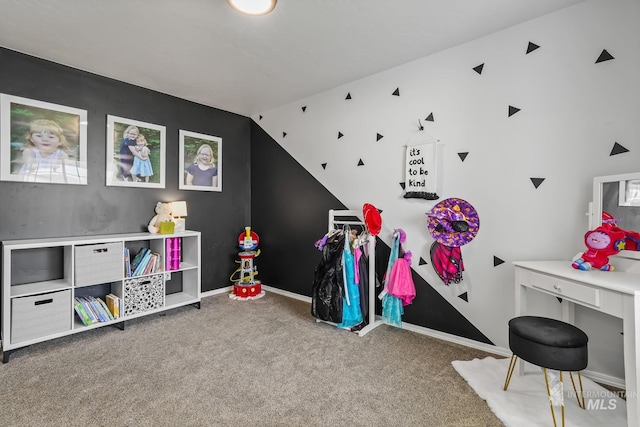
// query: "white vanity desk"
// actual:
[[616, 293]]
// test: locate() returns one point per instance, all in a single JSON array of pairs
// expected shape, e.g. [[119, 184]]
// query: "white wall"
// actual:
[[572, 112]]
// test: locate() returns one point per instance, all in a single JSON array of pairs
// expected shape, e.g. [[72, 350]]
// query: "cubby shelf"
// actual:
[[42, 277]]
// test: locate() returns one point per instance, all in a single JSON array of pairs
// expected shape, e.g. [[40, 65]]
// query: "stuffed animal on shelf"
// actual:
[[601, 243], [163, 215]]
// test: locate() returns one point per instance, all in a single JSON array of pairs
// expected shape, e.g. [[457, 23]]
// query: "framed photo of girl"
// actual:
[[200, 162], [42, 142], [135, 153]]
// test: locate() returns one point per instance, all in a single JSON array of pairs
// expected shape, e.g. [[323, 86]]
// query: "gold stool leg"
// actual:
[[553, 413], [512, 365], [562, 399], [579, 396]]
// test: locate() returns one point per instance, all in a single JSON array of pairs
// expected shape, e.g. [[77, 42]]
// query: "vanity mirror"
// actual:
[[618, 195]]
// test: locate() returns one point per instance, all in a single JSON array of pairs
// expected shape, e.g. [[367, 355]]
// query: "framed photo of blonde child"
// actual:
[[42, 142], [200, 162], [135, 153]]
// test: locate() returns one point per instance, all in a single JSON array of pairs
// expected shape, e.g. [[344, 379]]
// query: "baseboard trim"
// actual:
[[215, 292], [287, 294]]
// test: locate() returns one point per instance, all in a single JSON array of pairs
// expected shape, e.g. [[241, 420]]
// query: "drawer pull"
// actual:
[[557, 288], [43, 301], [97, 251]]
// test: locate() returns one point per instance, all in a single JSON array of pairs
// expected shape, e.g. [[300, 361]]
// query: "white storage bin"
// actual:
[[40, 315], [143, 294], [99, 263]]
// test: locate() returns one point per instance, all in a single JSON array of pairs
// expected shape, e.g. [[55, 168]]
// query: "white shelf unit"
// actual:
[[42, 277]]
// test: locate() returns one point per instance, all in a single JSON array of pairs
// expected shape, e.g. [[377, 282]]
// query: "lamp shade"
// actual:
[[179, 209], [253, 7]]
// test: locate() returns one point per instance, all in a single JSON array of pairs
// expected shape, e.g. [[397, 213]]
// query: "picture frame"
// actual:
[[42, 142], [129, 163], [193, 174]]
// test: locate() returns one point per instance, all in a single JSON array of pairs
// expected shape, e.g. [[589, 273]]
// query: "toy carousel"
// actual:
[[245, 286]]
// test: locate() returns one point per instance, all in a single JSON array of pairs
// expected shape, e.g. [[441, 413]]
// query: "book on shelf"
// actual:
[[97, 309], [168, 255], [143, 263], [152, 265], [137, 259], [82, 313], [87, 309], [172, 253], [177, 252], [113, 304], [105, 309], [127, 263]]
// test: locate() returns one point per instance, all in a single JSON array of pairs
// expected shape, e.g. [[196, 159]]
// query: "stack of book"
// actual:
[[145, 262], [173, 253], [92, 310]]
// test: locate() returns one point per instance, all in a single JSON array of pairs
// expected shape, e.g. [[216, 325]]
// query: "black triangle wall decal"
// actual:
[[497, 261], [559, 300], [402, 184], [604, 56], [284, 134], [304, 108], [463, 155], [513, 110], [340, 135], [324, 166], [260, 117], [531, 47], [537, 181], [348, 95], [379, 137], [422, 261], [478, 68], [618, 149], [396, 92], [360, 162], [464, 296], [429, 117]]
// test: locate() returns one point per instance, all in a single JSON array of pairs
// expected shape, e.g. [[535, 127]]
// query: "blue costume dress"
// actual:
[[351, 312], [392, 309], [202, 177]]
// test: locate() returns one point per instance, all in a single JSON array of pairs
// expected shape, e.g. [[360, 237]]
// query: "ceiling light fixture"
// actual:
[[253, 7]]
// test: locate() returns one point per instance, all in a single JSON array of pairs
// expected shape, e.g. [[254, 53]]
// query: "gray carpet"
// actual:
[[264, 362]]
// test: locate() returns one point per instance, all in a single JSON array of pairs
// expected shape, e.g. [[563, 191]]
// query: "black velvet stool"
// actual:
[[549, 344]]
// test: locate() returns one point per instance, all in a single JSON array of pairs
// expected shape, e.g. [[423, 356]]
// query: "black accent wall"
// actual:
[[56, 210], [289, 209]]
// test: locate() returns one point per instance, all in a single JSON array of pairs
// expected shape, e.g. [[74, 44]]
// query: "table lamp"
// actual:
[[179, 211]]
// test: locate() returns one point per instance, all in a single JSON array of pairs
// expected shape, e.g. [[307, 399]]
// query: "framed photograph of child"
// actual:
[[42, 142], [135, 153], [200, 162]]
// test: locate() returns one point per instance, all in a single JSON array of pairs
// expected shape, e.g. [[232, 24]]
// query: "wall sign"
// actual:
[[421, 171]]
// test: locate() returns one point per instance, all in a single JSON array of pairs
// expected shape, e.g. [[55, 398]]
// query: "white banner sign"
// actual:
[[420, 168]]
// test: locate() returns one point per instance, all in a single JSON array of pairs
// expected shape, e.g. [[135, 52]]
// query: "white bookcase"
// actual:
[[42, 277]]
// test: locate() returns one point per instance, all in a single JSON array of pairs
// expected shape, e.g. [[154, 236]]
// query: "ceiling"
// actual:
[[204, 51]]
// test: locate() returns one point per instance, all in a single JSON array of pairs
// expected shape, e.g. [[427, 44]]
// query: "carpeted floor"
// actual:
[[264, 362], [525, 403]]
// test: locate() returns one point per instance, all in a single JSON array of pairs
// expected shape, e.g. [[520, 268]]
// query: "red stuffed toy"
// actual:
[[602, 242]]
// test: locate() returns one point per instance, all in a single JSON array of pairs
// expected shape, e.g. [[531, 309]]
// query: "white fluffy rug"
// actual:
[[525, 403]]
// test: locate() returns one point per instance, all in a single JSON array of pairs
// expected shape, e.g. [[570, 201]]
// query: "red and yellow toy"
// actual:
[[604, 241], [244, 285]]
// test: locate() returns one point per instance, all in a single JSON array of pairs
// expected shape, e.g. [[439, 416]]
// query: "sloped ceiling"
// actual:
[[203, 51]]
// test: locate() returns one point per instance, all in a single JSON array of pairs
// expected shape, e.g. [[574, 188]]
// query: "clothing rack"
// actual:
[[335, 220]]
